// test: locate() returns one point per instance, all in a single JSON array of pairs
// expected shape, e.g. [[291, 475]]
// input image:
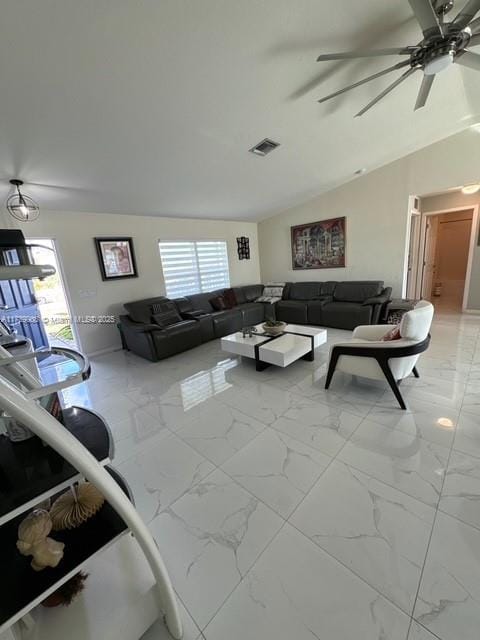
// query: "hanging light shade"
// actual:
[[22, 207]]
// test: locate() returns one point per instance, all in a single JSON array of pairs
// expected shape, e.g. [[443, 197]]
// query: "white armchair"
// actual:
[[367, 355]]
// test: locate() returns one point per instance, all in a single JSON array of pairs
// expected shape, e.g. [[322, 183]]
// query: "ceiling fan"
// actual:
[[443, 44]]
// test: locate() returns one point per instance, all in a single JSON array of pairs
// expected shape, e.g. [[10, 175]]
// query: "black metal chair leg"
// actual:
[[415, 372], [331, 367], [392, 382]]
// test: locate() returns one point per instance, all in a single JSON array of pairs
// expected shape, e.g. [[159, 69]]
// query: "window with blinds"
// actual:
[[194, 267]]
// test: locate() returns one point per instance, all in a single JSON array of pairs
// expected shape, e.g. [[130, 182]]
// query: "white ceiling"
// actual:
[[150, 106]]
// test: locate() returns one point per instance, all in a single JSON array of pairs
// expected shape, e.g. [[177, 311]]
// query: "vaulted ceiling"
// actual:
[[150, 107]]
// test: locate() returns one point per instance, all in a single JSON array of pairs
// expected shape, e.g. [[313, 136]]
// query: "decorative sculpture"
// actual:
[[76, 506], [33, 540]]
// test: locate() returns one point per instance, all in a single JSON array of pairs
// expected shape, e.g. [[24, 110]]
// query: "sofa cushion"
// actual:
[[201, 301], [304, 290], [357, 291], [252, 292], [239, 294], [230, 298], [164, 313], [218, 303], [293, 311], [315, 310], [345, 315], [183, 305], [141, 310], [252, 312]]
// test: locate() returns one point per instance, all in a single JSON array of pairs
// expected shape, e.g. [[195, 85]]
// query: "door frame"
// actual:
[[471, 248], [66, 290]]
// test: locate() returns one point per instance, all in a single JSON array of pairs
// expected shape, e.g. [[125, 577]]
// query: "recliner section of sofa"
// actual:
[[343, 305]]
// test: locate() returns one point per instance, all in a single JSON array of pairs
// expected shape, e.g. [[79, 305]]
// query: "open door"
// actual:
[[431, 232]]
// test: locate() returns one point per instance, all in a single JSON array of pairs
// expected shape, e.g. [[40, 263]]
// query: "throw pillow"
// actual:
[[230, 298], [165, 313], [392, 334], [272, 292], [218, 303]]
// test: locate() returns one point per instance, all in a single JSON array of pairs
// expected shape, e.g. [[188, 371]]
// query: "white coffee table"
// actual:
[[297, 341]]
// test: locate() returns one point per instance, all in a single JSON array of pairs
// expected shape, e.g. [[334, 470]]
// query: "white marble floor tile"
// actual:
[[471, 399], [427, 420], [159, 631], [417, 632], [448, 602], [461, 489], [220, 431], [297, 591], [408, 463], [321, 426], [379, 533], [277, 469], [467, 436], [213, 534], [159, 475]]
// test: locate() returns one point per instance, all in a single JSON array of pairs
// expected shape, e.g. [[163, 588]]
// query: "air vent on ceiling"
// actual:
[[264, 147]]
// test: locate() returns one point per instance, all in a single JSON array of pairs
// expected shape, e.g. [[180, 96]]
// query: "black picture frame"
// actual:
[[119, 264]]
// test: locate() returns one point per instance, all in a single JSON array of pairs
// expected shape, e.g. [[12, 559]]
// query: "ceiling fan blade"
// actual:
[[474, 26], [357, 84], [427, 18], [474, 40], [469, 59], [399, 51], [424, 91], [390, 87], [467, 14]]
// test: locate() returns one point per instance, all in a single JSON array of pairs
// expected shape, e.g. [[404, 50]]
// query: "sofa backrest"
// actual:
[[357, 291], [252, 292], [309, 290], [415, 324], [141, 310], [200, 301]]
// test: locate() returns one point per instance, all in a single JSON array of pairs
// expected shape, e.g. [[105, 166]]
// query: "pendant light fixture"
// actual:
[[22, 207]]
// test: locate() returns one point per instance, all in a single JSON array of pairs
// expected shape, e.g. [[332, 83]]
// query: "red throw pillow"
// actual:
[[218, 303], [393, 334], [230, 298]]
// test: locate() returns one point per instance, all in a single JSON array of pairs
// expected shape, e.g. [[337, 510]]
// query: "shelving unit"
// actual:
[[28, 588], [56, 457]]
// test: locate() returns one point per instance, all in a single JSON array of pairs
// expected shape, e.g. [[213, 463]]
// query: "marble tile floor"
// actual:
[[286, 511]]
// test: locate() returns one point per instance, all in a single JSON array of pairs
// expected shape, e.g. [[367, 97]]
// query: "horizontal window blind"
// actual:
[[194, 267]]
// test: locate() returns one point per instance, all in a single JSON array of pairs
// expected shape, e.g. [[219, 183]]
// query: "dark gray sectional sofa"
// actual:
[[343, 305]]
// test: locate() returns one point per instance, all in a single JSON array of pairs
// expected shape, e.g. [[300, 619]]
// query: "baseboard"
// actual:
[[473, 312]]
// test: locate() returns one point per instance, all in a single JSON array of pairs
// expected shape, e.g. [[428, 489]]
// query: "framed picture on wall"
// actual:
[[116, 258], [319, 245]]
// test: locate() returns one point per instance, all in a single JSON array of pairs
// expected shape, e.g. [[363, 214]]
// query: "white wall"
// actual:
[[74, 233], [376, 208]]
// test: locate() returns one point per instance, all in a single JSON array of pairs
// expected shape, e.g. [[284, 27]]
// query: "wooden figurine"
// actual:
[[33, 540]]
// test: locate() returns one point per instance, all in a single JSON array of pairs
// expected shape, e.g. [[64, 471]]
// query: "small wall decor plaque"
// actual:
[[243, 248]]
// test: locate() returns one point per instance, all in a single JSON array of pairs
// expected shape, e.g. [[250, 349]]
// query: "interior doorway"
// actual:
[[51, 296], [447, 244], [440, 248]]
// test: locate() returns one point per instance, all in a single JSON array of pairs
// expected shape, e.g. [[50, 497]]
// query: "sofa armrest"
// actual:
[[371, 331], [383, 298], [137, 327]]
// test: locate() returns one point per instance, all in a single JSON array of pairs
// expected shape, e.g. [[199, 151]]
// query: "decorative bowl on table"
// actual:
[[274, 327]]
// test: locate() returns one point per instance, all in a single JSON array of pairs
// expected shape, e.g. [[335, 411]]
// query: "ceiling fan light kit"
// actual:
[[20, 206], [470, 189], [443, 44]]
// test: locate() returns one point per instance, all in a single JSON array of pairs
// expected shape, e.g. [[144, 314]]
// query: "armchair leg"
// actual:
[[392, 382], [331, 367], [415, 372]]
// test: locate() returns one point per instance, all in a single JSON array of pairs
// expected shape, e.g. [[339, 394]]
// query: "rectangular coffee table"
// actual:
[[297, 341]]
